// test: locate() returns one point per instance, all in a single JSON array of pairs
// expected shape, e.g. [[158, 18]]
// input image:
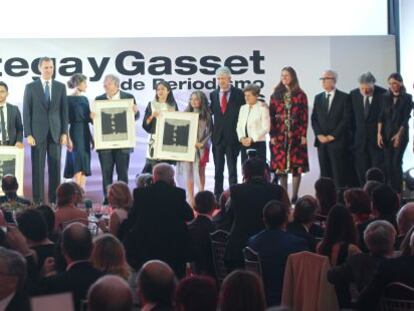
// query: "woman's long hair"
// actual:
[[281, 89], [396, 76], [204, 108]]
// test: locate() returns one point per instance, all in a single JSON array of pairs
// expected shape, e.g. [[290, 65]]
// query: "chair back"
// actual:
[[397, 297], [218, 245], [252, 261]]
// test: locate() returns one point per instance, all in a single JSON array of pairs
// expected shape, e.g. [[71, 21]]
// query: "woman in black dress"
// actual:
[[396, 106], [78, 157]]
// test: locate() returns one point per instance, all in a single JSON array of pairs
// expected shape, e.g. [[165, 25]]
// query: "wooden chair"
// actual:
[[218, 245], [252, 261], [397, 297]]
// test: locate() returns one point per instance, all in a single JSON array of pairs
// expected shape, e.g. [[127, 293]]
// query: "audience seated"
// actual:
[[247, 201], [326, 195], [375, 174], [200, 229], [221, 222], [242, 291], [79, 194], [110, 293], [9, 185], [405, 220], [370, 186], [143, 180], [405, 247], [196, 293], [158, 219], [108, 256], [156, 285], [274, 245], [49, 216]]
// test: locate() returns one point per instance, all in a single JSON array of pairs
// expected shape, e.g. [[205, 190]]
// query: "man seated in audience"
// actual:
[[359, 269], [405, 220], [156, 285], [196, 293], [326, 195], [66, 211], [392, 270], [246, 204], [9, 185], [76, 247], [374, 173], [158, 218], [200, 229], [274, 245], [110, 293]]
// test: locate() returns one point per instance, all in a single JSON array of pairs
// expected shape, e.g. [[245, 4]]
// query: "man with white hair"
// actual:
[[225, 106], [118, 158], [158, 218], [330, 118], [365, 108]]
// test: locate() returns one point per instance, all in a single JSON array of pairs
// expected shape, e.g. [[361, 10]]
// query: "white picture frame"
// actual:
[[12, 162], [114, 124], [176, 136]]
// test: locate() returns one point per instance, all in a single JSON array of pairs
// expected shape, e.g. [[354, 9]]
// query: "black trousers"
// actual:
[[53, 150], [118, 158], [229, 154], [331, 163], [260, 148], [393, 164], [367, 157]]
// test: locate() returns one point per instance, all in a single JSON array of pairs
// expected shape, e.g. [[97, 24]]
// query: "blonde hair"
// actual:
[[119, 195]]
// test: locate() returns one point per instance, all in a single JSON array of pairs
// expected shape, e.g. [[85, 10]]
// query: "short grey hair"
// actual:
[[163, 172], [379, 236], [332, 73], [44, 59], [141, 180], [223, 71], [367, 78], [14, 264], [113, 78]]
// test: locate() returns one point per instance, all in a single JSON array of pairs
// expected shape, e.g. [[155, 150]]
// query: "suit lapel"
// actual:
[[9, 117], [41, 92], [333, 103]]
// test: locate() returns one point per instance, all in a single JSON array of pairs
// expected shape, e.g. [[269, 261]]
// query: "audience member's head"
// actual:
[[108, 255], [370, 186], [163, 172], [119, 195], [13, 271], [405, 246], [143, 180], [326, 194], [9, 184], [110, 293], [49, 217], [156, 283], [33, 226], [205, 202], [379, 236], [66, 194], [242, 291], [253, 168], [385, 202], [79, 193], [276, 214], [358, 202], [196, 293], [305, 209], [405, 218], [376, 174], [76, 242]]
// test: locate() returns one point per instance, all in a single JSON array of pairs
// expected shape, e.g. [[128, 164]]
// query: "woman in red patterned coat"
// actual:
[[288, 110]]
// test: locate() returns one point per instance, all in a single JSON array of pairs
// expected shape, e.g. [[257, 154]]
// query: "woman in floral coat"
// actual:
[[288, 110]]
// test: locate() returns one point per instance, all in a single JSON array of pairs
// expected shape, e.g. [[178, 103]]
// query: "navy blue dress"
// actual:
[[79, 159]]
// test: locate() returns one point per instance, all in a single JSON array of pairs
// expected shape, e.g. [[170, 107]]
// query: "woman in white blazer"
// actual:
[[253, 124]]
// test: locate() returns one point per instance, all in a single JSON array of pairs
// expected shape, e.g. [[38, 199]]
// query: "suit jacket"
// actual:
[[224, 125], [247, 201], [14, 124], [200, 229], [274, 246], [335, 122], [39, 118], [159, 231], [19, 302], [299, 230], [257, 121], [364, 129]]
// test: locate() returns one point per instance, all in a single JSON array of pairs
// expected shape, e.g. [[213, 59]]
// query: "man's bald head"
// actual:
[[77, 242], [405, 218], [156, 283], [110, 292]]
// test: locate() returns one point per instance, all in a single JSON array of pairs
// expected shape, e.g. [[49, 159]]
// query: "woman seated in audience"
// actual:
[[108, 255], [34, 228], [196, 293], [49, 216], [326, 194], [242, 291]]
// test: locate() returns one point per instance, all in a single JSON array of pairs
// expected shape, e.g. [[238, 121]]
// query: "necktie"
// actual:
[[366, 106], [223, 103], [3, 126], [327, 102], [47, 94]]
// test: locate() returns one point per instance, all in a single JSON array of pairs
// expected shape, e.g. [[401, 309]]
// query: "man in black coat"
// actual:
[[118, 158], [330, 117], [11, 126], [157, 221], [225, 106], [365, 109], [45, 119]]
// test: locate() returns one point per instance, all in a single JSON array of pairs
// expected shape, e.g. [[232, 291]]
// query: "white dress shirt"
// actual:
[[4, 105], [255, 119], [44, 86], [332, 93], [116, 96]]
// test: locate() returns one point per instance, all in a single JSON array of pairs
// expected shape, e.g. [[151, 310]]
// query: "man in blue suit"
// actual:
[[45, 120], [274, 245]]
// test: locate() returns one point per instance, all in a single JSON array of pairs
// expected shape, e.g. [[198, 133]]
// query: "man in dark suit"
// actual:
[[330, 118], [225, 106], [45, 119], [245, 208], [11, 126], [365, 108], [274, 245], [158, 219], [9, 185], [118, 158]]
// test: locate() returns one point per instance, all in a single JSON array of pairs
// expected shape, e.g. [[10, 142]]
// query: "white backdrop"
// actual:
[[308, 55]]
